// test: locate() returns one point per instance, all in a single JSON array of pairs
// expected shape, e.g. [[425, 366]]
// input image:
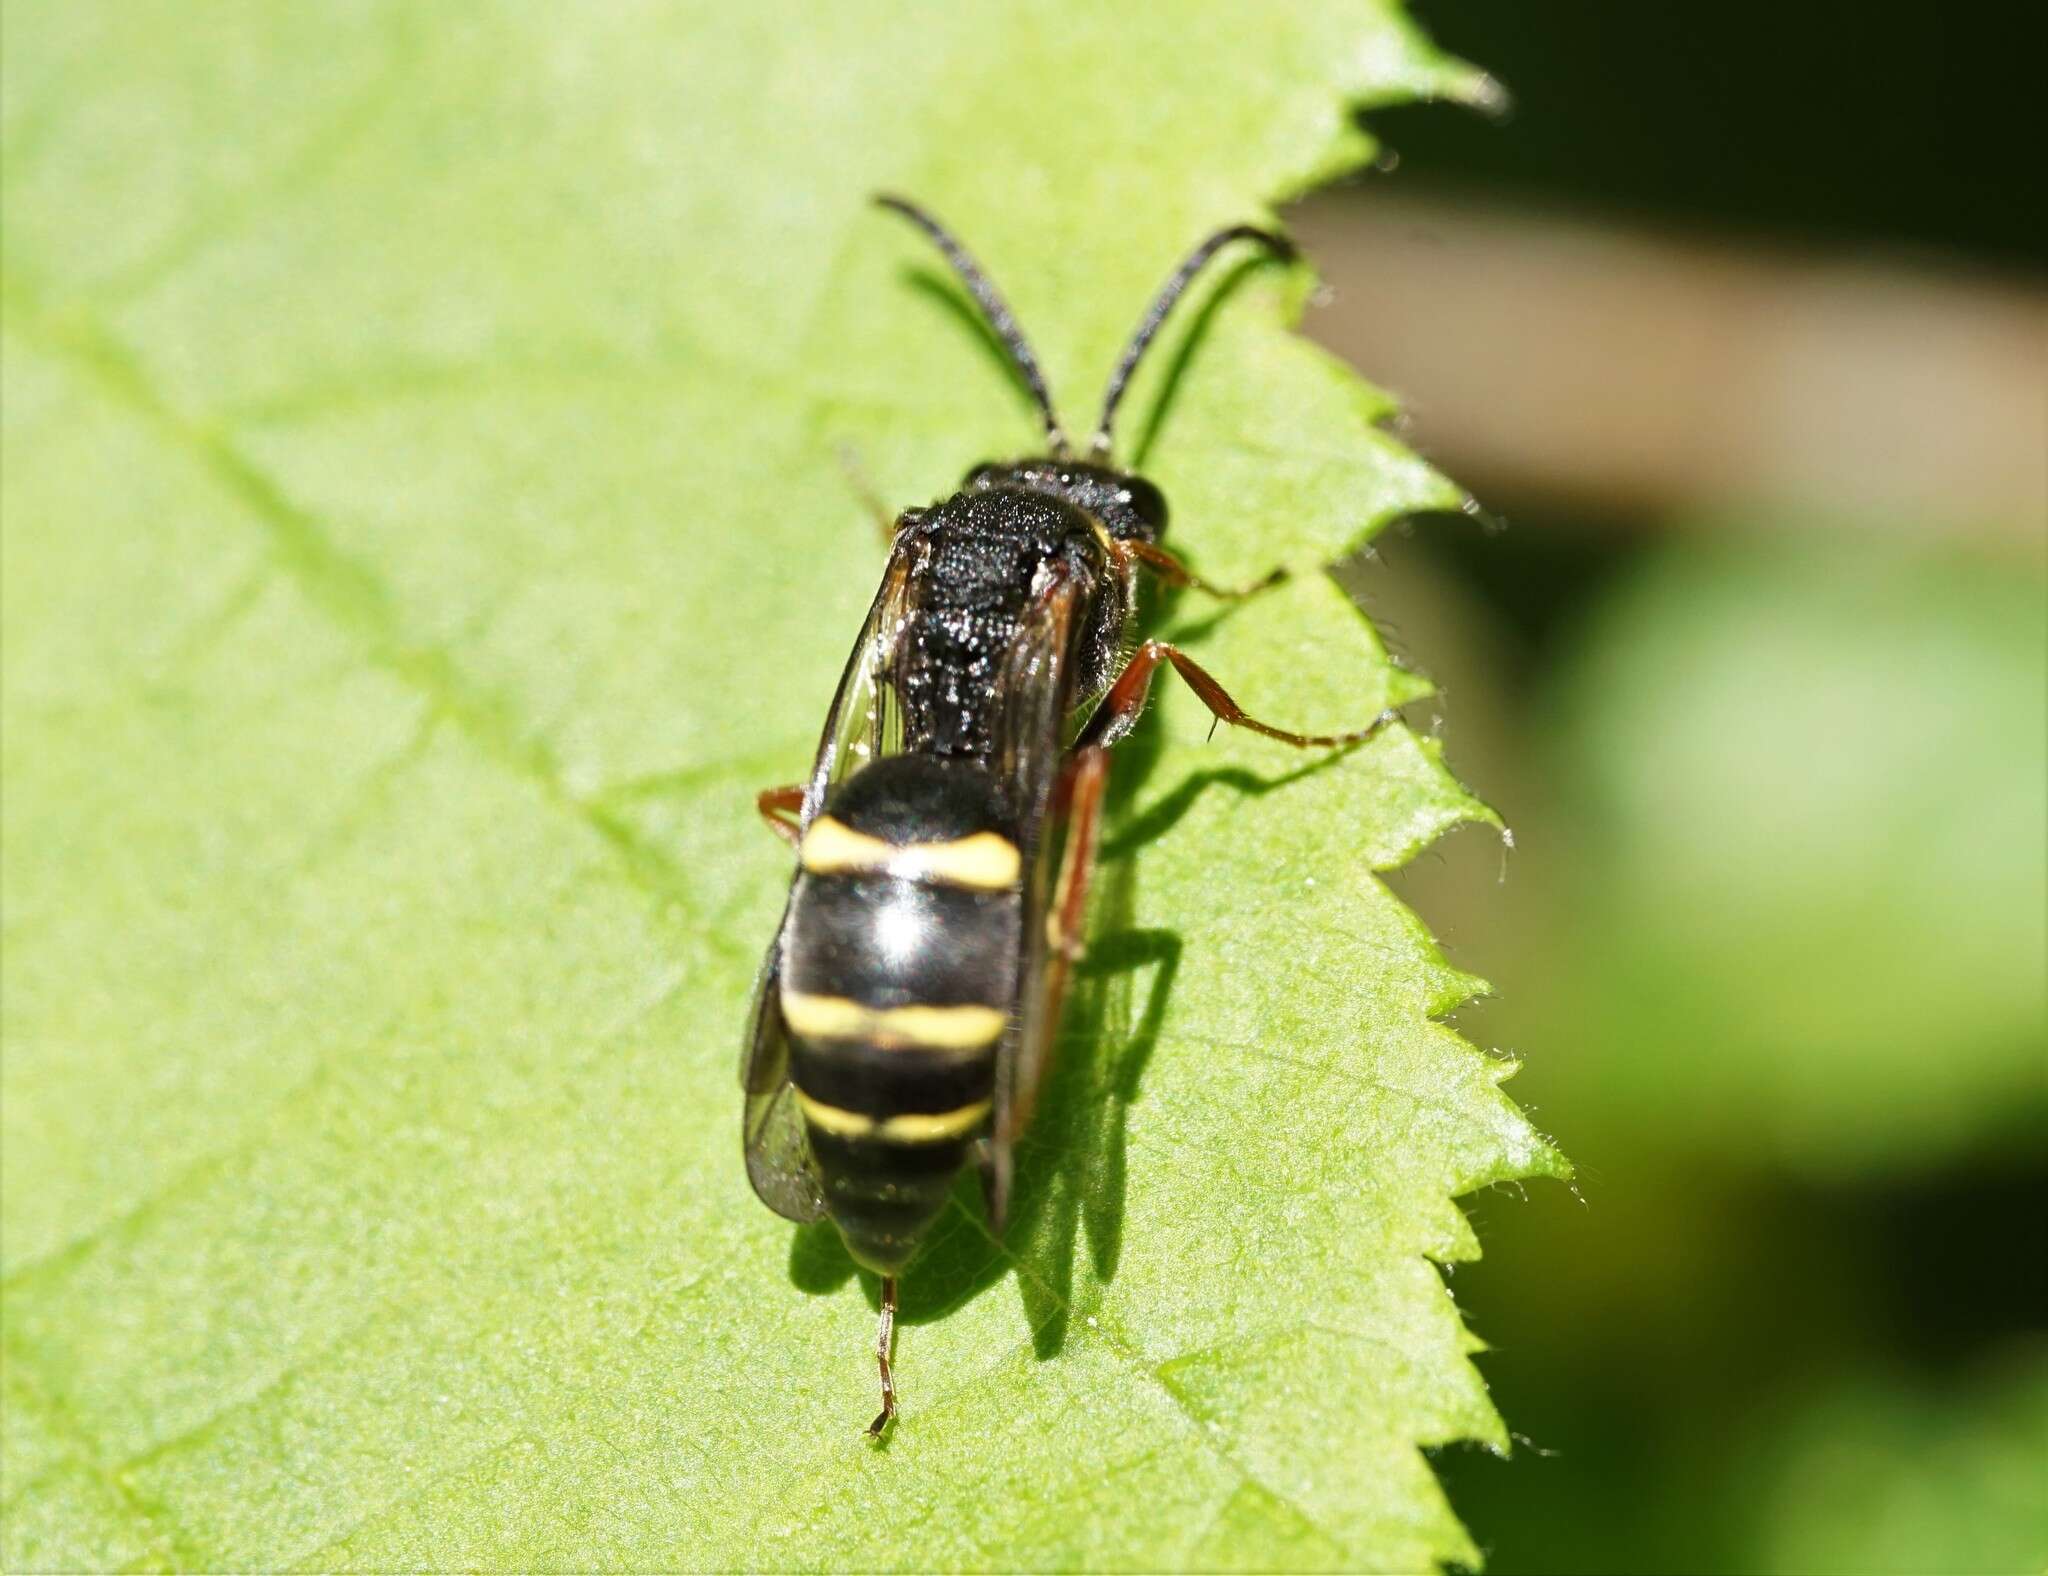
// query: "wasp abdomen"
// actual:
[[899, 970]]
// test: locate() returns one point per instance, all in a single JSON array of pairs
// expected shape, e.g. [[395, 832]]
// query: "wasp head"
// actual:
[[1129, 507]]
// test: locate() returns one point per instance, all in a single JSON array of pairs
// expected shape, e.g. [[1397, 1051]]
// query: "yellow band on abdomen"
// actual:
[[970, 1027], [984, 861], [908, 1127]]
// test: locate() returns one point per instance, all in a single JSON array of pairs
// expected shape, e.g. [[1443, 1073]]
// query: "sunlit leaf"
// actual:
[[425, 529]]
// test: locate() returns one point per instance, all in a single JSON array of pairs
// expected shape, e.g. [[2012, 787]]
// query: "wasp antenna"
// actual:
[[1162, 304], [993, 308]]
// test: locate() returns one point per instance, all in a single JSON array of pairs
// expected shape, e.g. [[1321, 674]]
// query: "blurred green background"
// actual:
[[1736, 325]]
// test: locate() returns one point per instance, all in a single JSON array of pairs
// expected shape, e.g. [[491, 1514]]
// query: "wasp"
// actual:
[[904, 1018]]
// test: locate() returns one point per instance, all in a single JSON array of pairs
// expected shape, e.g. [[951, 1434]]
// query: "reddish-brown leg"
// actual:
[[1118, 713], [1175, 573], [1082, 782], [779, 808], [1077, 799]]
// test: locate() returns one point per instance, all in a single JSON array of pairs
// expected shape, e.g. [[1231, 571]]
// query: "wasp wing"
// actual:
[[779, 1160], [1037, 680], [862, 722], [865, 721]]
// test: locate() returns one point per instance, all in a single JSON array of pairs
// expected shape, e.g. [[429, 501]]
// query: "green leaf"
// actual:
[[424, 533]]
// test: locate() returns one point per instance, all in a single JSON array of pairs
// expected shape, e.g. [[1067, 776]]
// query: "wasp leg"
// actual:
[[777, 806], [1118, 713], [1175, 573], [885, 1337], [1079, 795], [1076, 797]]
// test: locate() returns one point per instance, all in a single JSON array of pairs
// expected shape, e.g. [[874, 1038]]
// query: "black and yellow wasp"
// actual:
[[906, 1010]]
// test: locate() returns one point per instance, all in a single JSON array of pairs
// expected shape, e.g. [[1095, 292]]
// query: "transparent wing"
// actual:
[[865, 721], [1037, 680], [779, 1161]]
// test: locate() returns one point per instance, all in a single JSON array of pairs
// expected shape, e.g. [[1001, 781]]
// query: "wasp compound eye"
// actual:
[[1147, 502]]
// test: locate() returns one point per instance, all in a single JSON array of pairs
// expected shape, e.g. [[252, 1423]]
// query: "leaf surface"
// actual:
[[425, 531]]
